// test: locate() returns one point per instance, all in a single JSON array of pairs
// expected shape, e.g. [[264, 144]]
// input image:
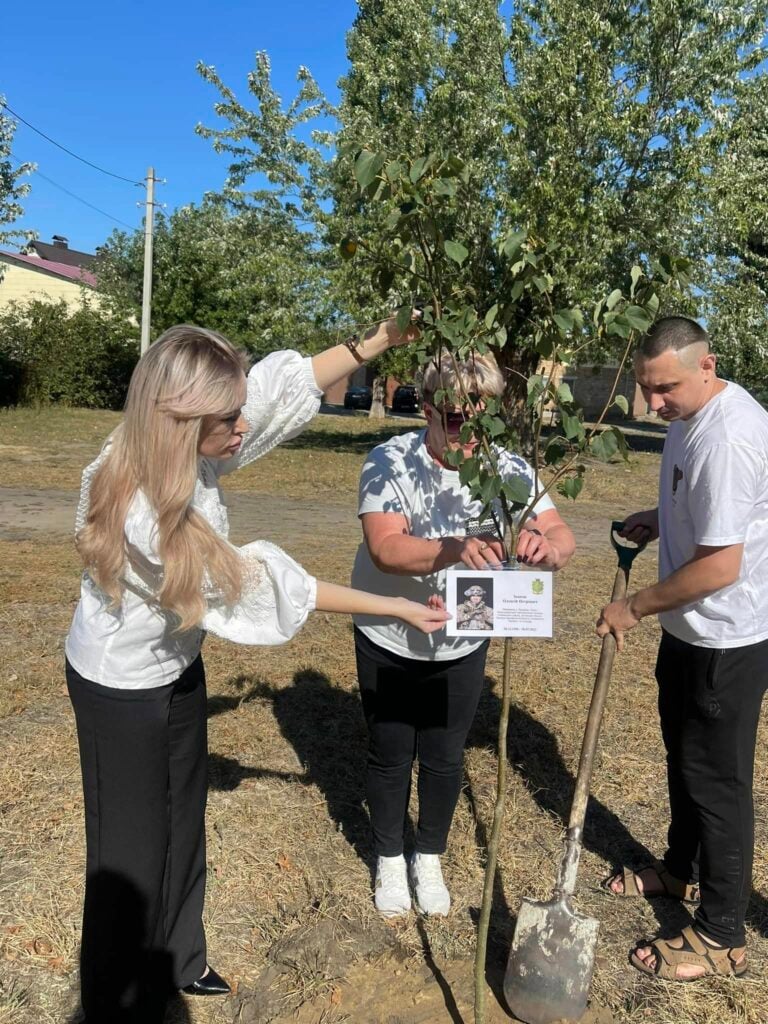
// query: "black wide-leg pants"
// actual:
[[709, 706], [143, 755], [415, 710]]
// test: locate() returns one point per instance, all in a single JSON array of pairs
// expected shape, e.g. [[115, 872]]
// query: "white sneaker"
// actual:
[[432, 896], [391, 894]]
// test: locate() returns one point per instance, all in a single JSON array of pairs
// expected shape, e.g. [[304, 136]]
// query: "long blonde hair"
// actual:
[[188, 374]]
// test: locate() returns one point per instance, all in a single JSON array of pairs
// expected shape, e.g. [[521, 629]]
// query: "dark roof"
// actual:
[[62, 254]]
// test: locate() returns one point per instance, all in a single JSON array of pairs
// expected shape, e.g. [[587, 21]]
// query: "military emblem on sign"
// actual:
[[537, 586]]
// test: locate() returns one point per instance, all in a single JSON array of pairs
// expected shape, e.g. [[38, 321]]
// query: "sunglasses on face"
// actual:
[[454, 418]]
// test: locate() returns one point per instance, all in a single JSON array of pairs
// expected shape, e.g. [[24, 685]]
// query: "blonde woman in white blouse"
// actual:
[[159, 571]]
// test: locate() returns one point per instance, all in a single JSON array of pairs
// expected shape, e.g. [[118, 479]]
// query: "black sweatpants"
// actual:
[[415, 709], [709, 706], [143, 755]]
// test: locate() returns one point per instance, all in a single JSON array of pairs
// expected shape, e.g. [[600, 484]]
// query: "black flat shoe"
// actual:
[[211, 984]]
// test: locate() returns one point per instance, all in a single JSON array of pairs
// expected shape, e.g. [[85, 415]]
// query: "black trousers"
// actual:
[[709, 706], [415, 709], [143, 755]]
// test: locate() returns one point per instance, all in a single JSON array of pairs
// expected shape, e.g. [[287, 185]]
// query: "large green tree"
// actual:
[[239, 270], [602, 130], [12, 186], [737, 299]]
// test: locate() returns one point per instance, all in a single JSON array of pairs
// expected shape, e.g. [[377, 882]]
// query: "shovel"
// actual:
[[550, 965]]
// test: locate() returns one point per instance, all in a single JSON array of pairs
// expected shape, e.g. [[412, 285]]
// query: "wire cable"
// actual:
[[85, 202], [69, 151]]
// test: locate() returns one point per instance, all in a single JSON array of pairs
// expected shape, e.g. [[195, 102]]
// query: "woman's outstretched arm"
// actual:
[[333, 598]]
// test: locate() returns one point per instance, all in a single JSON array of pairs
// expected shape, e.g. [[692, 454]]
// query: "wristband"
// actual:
[[351, 344]]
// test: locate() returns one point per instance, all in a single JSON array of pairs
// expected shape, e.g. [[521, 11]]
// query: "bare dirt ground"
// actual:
[[288, 914]]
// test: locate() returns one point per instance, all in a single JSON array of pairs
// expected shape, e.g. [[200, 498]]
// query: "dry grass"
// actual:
[[289, 913]]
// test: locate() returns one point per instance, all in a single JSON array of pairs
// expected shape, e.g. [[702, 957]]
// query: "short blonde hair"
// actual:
[[480, 374]]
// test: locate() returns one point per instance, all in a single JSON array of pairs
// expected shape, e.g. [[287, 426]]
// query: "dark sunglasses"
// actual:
[[455, 418]]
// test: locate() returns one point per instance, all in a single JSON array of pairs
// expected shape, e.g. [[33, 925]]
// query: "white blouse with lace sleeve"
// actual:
[[135, 646]]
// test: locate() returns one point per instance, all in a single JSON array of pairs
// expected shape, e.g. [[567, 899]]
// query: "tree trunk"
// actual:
[[518, 365], [378, 412]]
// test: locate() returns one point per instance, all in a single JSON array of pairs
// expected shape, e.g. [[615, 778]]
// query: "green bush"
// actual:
[[50, 352]]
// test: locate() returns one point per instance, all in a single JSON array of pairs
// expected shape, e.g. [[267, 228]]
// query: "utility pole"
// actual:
[[146, 295]]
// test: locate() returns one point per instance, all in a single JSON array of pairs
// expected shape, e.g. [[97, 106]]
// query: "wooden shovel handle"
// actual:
[[566, 881]]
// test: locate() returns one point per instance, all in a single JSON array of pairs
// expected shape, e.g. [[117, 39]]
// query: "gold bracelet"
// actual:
[[351, 344]]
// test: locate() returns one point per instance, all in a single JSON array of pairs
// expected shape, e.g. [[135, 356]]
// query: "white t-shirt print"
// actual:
[[713, 491], [401, 476]]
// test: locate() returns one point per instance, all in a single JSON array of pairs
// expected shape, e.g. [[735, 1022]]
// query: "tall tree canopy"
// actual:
[[12, 187], [606, 131]]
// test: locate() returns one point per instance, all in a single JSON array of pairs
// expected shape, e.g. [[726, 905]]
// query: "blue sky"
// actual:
[[117, 84]]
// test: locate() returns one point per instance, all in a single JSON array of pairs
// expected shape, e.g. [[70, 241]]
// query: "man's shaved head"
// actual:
[[677, 334]]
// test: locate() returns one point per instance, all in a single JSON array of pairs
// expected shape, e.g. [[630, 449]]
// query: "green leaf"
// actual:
[[517, 491], [494, 425], [455, 251], [622, 403], [367, 166], [516, 291], [542, 282], [564, 320], [418, 167], [490, 489], [554, 452], [613, 298], [634, 275], [572, 426], [652, 304], [501, 337], [394, 170], [403, 318], [468, 473], [454, 458], [564, 394], [513, 242], [571, 488], [620, 326], [637, 318], [444, 187], [490, 316], [604, 446]]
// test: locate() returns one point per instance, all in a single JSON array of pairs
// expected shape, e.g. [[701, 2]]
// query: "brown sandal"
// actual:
[[673, 888], [729, 961]]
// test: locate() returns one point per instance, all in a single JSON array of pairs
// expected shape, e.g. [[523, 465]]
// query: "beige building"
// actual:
[[46, 272]]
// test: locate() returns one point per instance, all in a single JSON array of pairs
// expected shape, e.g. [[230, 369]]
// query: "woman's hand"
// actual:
[[426, 618], [533, 548], [483, 552], [388, 331]]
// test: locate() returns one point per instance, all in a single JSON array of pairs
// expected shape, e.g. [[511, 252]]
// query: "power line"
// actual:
[[69, 151], [78, 198]]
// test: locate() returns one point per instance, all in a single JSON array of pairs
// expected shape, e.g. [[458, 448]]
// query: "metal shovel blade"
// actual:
[[551, 962]]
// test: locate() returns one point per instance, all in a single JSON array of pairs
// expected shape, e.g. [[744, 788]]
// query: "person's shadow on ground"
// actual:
[[325, 726], [128, 980]]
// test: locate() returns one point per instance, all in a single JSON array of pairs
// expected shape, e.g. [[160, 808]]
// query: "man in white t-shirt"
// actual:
[[419, 693], [712, 667]]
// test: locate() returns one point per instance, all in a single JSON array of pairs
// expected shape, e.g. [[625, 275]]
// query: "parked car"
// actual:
[[406, 399], [358, 398]]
